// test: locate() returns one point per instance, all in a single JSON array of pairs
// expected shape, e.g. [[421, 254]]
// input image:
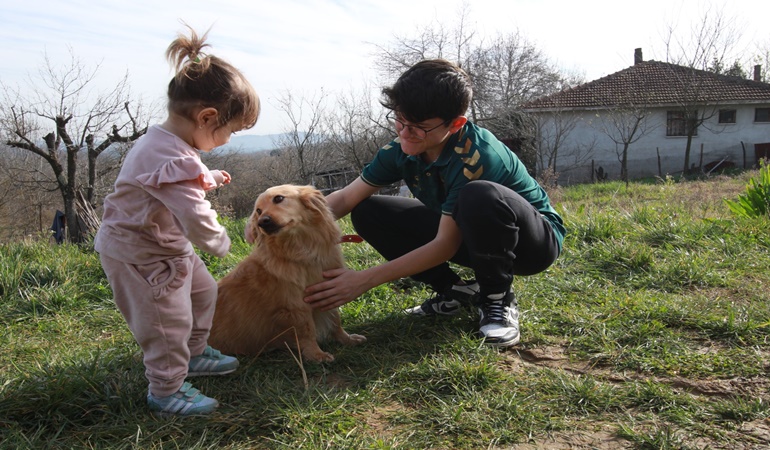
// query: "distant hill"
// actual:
[[253, 143]]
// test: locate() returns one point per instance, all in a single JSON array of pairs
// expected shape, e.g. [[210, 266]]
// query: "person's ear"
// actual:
[[206, 116], [457, 123]]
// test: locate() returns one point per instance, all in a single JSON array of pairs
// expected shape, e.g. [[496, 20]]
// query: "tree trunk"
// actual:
[[92, 155], [687, 149], [73, 230], [82, 220], [624, 164]]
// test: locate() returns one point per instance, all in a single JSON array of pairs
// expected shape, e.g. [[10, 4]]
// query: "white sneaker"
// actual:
[[499, 323]]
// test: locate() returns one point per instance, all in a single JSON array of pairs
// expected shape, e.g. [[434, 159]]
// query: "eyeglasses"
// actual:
[[417, 132]]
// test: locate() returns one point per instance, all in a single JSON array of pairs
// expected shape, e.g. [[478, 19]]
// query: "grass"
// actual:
[[652, 331]]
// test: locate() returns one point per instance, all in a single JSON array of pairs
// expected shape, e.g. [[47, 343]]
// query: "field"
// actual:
[[652, 331]]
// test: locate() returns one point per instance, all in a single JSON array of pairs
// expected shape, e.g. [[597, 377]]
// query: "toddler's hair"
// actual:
[[431, 88], [204, 80]]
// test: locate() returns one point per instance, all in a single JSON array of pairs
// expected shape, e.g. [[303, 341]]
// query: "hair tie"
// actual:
[[197, 58]]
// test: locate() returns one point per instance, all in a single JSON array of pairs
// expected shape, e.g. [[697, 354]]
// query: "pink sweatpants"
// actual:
[[169, 307]]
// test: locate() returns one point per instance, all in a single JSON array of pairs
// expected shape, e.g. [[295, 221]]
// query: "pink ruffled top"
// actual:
[[158, 208]]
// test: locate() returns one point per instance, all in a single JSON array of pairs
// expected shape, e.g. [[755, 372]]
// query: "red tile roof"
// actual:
[[651, 83]]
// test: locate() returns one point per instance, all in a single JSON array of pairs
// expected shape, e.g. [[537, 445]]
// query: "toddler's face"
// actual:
[[210, 137]]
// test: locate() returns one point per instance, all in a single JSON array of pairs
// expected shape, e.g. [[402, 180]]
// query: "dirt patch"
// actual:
[[378, 420], [759, 430], [555, 357], [603, 436]]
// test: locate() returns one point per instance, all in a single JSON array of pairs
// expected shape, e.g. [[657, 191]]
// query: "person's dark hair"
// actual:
[[204, 80], [431, 88]]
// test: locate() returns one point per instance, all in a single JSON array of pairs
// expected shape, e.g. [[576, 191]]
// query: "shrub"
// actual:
[[755, 202]]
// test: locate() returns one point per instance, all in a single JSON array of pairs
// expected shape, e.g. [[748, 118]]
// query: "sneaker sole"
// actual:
[[417, 311], [167, 415], [443, 310], [502, 344], [203, 374]]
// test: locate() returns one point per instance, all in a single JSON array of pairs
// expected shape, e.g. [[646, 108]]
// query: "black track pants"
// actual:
[[503, 234]]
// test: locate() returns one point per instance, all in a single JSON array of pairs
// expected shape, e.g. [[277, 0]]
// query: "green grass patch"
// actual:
[[652, 330]]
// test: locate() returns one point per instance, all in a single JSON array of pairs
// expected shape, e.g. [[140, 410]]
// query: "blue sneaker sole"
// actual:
[[203, 374]]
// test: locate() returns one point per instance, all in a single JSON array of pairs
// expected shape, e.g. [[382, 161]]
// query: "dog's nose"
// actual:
[[267, 224]]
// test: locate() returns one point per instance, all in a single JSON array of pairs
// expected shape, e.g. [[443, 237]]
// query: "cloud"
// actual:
[[307, 45]]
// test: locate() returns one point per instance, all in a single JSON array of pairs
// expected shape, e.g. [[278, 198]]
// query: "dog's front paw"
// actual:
[[356, 339]]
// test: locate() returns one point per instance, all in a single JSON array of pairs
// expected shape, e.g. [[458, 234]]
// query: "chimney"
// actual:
[[638, 56], [758, 73]]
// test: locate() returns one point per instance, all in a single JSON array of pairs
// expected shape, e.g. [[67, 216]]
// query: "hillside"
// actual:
[[253, 142]]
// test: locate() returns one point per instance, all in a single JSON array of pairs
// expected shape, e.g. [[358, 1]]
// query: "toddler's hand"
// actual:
[[220, 178]]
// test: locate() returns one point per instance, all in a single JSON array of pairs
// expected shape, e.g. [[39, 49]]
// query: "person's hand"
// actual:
[[341, 286], [226, 178]]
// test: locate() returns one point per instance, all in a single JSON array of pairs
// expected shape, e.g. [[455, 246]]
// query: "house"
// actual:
[[652, 119]]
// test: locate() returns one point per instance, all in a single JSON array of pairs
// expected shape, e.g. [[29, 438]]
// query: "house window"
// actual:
[[762, 115], [677, 123], [726, 116]]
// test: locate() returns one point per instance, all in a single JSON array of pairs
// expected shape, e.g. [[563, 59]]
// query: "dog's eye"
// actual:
[[259, 211], [278, 199]]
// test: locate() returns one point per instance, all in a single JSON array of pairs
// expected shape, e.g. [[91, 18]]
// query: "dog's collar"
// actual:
[[351, 238]]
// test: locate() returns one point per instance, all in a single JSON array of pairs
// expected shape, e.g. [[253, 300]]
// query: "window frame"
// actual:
[[677, 123], [765, 111], [728, 116]]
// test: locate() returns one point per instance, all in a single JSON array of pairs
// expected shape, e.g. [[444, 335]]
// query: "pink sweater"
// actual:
[[158, 207]]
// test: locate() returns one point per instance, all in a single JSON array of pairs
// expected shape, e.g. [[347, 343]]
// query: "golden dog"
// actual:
[[260, 303]]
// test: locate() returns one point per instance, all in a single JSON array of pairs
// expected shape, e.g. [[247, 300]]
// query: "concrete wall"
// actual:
[[585, 140]]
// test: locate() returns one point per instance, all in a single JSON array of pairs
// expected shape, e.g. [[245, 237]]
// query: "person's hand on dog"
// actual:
[[341, 286]]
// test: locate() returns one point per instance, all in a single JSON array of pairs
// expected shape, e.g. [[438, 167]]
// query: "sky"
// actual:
[[305, 47]]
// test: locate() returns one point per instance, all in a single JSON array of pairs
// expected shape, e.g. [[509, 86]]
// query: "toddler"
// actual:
[[158, 211]]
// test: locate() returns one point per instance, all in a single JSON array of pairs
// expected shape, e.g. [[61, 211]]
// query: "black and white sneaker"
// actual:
[[447, 303], [499, 323]]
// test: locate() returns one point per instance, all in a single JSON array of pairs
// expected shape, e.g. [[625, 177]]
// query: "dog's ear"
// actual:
[[313, 199], [251, 232]]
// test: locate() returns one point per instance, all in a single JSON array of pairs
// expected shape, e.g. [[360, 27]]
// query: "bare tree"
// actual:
[[624, 117], [710, 43], [509, 71], [25, 210], [433, 41], [301, 141], [624, 126], [762, 58], [356, 130], [277, 168], [553, 134], [506, 70], [518, 130], [325, 147], [60, 119]]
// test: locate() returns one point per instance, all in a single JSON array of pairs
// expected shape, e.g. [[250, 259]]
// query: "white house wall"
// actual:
[[585, 143]]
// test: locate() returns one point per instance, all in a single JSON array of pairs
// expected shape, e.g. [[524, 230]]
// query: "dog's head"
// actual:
[[282, 208]]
